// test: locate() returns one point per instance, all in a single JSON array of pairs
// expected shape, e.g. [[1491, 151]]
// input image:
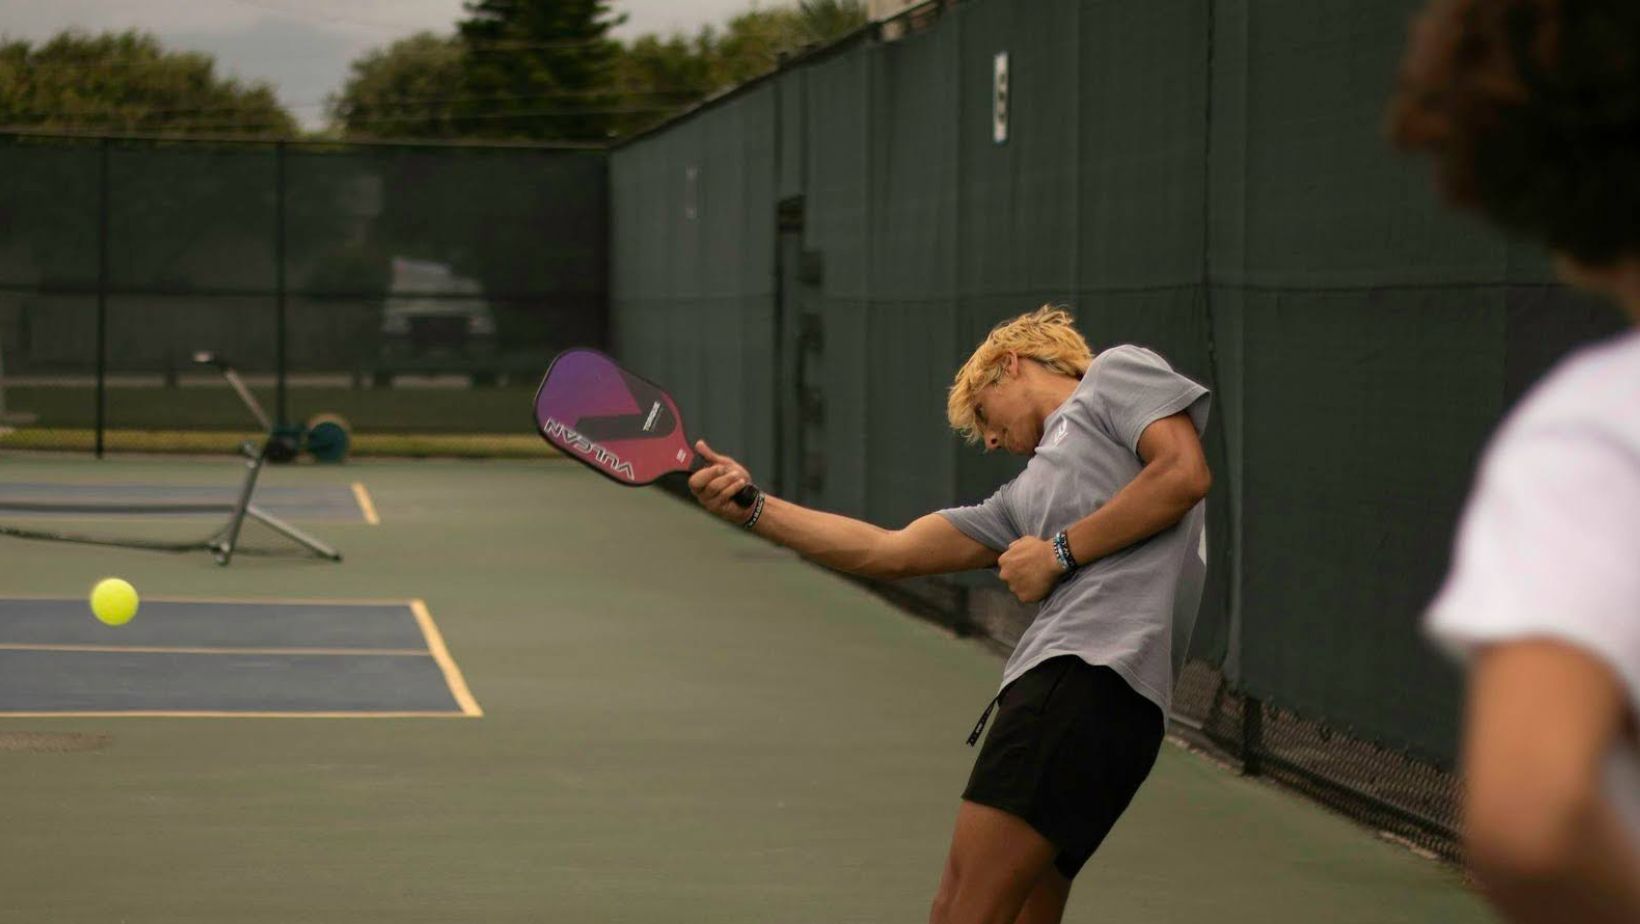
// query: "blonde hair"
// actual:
[[1047, 335]]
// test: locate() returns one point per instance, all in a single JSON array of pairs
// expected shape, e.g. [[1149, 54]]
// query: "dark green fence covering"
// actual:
[[809, 260]]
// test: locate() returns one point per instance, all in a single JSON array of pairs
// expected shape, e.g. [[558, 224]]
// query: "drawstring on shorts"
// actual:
[[984, 716]]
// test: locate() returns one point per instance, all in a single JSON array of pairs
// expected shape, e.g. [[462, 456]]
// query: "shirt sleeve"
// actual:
[[1133, 387], [989, 522], [1549, 547]]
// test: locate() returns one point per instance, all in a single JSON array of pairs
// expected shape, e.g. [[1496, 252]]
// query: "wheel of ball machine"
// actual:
[[284, 442], [328, 438]]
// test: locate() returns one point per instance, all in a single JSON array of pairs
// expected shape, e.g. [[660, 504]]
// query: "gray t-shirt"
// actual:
[[1133, 610]]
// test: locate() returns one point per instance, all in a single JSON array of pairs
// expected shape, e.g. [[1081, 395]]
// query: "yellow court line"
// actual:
[[147, 714], [156, 649], [441, 654], [363, 497]]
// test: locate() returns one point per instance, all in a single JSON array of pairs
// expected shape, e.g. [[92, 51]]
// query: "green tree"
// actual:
[[539, 69], [128, 82], [410, 89], [753, 43], [756, 39], [823, 21], [547, 70], [656, 77], [685, 70]]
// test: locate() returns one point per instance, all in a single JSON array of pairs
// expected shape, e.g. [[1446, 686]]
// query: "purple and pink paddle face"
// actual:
[[620, 425]]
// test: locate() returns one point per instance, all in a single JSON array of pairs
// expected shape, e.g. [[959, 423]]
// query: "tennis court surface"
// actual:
[[680, 723]]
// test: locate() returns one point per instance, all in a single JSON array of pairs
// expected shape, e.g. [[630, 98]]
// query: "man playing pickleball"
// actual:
[[1104, 526]]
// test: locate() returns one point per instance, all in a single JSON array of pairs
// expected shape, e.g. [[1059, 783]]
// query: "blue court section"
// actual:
[[101, 681], [220, 657], [199, 624], [317, 502]]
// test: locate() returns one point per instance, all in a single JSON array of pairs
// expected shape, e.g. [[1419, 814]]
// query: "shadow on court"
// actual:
[[676, 727]]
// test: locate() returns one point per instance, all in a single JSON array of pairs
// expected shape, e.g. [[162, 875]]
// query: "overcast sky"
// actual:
[[303, 47]]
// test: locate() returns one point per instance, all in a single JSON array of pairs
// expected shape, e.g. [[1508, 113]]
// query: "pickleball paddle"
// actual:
[[616, 423]]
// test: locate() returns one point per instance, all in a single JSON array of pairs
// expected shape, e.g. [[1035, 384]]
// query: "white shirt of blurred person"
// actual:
[[1548, 552]]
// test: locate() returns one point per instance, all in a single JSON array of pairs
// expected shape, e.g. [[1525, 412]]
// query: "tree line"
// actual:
[[535, 70]]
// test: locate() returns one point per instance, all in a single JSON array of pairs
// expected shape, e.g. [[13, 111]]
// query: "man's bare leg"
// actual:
[[995, 863]]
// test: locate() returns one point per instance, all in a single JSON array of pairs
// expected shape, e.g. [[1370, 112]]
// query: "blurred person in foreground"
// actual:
[[1530, 110]]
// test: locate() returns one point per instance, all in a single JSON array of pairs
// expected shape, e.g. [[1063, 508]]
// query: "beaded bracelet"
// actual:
[[1062, 551], [757, 511]]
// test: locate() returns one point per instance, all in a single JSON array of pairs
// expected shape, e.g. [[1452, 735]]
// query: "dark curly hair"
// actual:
[[1531, 111]]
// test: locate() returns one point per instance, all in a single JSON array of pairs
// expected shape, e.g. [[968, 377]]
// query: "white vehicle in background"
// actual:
[[434, 321]]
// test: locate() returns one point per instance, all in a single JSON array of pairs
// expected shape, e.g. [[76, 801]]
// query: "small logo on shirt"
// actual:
[[1059, 433]]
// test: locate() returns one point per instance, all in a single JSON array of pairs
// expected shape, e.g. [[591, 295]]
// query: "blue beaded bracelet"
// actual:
[[1062, 551]]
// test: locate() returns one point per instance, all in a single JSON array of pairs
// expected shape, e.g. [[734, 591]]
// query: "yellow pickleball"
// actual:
[[114, 601]]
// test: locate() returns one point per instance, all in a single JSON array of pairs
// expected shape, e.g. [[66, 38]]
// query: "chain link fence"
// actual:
[[415, 291]]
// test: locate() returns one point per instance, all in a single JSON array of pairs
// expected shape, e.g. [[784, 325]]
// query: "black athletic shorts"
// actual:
[[1071, 744]]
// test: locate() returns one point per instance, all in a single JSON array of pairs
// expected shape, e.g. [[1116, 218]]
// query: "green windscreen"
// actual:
[[409, 289], [1209, 180]]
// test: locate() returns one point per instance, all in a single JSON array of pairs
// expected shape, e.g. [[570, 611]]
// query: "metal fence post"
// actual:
[[777, 464], [280, 414], [1252, 736], [102, 293]]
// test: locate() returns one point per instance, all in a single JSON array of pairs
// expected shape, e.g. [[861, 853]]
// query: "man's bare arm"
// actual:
[[929, 545], [1539, 833], [1175, 478]]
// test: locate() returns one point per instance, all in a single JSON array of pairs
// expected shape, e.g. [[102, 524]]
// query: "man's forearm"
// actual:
[[834, 541], [1593, 877], [1158, 498]]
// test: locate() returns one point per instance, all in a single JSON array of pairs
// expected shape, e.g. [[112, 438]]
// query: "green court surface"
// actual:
[[680, 723]]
